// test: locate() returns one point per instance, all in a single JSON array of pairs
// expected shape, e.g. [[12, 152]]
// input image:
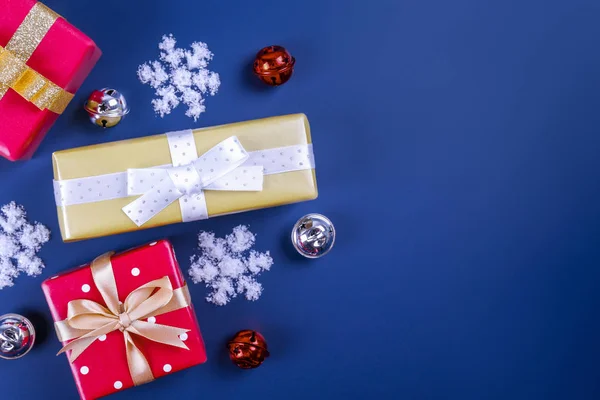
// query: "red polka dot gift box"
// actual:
[[125, 319]]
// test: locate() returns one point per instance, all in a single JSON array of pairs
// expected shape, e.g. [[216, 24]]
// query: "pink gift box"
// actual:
[[65, 56]]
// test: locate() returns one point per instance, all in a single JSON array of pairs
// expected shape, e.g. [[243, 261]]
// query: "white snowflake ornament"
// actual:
[[180, 76], [228, 266], [19, 243]]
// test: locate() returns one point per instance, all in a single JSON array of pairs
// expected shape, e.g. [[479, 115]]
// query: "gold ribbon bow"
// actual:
[[87, 320], [16, 75]]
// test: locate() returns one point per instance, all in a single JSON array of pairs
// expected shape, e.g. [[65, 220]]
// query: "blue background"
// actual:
[[457, 147]]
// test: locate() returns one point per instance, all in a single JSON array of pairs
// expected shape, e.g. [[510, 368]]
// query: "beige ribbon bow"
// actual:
[[87, 320]]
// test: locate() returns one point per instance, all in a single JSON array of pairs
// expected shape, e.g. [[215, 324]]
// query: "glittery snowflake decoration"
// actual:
[[228, 266], [19, 243], [180, 76]]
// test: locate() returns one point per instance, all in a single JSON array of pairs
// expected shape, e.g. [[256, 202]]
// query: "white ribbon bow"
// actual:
[[220, 168]]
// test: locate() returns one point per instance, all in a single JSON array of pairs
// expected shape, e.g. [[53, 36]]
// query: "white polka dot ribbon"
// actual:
[[188, 177], [227, 166]]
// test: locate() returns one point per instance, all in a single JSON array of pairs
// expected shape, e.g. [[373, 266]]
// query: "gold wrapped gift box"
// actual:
[[102, 218]]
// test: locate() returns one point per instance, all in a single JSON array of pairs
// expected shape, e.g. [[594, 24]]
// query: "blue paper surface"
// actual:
[[457, 149]]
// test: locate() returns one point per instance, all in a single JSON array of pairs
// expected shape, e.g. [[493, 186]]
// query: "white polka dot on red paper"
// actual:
[[86, 288], [118, 385], [152, 320], [183, 337], [167, 368], [84, 370], [102, 338], [135, 271]]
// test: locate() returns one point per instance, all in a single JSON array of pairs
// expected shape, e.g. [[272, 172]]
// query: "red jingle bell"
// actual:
[[248, 349], [274, 65]]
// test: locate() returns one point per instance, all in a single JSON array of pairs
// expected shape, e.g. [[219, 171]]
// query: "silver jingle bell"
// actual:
[[106, 107], [17, 336], [313, 235]]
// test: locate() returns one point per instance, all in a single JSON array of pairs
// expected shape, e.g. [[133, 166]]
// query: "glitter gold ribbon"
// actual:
[[16, 75], [88, 320]]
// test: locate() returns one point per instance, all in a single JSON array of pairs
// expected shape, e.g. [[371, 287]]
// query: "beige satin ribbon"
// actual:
[[16, 75], [87, 320]]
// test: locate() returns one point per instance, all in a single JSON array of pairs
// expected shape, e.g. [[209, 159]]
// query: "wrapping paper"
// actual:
[[102, 368], [89, 220], [65, 56]]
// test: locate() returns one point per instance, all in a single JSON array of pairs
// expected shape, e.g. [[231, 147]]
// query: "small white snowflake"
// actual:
[[19, 243], [180, 76], [228, 266]]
